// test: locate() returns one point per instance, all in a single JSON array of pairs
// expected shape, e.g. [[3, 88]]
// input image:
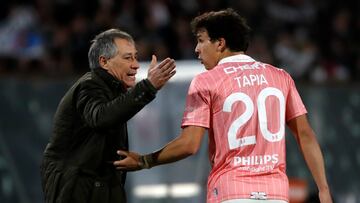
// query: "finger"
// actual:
[[117, 163], [166, 70], [123, 153], [170, 75], [121, 168], [164, 62], [169, 69], [153, 61], [169, 72]]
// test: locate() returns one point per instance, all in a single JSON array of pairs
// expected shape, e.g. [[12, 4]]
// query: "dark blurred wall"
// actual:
[[314, 41]]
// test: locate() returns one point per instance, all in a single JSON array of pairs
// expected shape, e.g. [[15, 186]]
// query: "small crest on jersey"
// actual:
[[258, 195], [215, 192], [189, 109]]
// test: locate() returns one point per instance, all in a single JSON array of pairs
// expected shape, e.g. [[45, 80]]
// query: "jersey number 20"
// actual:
[[248, 113]]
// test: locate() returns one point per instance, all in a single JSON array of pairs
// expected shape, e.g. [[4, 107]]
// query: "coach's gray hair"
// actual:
[[104, 45]]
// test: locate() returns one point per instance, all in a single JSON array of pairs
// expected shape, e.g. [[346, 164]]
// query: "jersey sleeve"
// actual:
[[197, 107], [294, 105]]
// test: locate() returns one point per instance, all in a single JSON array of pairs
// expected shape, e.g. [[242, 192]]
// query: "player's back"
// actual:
[[249, 108]]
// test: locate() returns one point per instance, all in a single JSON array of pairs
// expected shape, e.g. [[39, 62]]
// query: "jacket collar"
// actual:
[[109, 79]]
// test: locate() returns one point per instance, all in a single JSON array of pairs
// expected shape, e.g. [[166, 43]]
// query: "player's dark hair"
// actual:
[[225, 24]]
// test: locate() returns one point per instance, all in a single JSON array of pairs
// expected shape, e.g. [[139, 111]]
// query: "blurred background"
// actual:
[[43, 50]]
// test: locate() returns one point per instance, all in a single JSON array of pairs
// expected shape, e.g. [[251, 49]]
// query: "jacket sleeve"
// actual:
[[99, 111]]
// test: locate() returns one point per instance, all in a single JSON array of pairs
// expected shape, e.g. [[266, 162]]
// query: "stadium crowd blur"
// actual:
[[315, 41]]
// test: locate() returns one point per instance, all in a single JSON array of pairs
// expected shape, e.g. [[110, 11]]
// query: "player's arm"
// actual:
[[311, 151], [186, 144]]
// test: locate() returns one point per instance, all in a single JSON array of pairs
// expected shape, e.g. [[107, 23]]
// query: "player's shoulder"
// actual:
[[203, 81], [202, 76], [279, 71], [274, 68], [199, 78]]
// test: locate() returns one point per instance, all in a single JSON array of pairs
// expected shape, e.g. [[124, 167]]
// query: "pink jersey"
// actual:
[[244, 104]]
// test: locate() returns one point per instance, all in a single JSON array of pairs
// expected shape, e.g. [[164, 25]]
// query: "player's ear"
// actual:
[[221, 44]]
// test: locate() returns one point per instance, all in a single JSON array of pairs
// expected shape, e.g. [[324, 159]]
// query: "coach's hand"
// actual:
[[131, 162], [159, 74]]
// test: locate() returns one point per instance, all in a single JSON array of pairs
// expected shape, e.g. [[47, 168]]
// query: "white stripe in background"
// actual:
[[151, 191], [185, 70], [157, 191], [184, 190]]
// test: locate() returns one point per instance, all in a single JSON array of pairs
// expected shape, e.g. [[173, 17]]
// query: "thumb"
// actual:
[[153, 61], [122, 153]]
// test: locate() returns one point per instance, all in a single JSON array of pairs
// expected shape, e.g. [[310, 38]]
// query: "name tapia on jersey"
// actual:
[[245, 80], [251, 80]]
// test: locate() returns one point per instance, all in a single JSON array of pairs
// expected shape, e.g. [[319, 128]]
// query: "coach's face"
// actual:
[[124, 64], [207, 50]]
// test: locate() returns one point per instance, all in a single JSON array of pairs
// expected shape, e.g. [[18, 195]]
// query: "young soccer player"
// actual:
[[244, 105]]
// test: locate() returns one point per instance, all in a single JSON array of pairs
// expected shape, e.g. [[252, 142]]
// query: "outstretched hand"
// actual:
[[159, 74], [131, 161]]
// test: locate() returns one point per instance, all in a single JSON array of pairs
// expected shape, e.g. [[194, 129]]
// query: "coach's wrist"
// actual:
[[146, 161]]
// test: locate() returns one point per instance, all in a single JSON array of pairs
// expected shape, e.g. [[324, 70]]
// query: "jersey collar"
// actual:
[[236, 58]]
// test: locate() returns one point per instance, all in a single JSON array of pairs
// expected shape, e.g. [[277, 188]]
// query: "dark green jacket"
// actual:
[[89, 127]]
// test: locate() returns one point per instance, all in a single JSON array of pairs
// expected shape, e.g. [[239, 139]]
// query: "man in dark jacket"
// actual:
[[90, 122]]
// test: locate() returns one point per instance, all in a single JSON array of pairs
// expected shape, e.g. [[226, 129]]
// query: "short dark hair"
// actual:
[[104, 45], [227, 24]]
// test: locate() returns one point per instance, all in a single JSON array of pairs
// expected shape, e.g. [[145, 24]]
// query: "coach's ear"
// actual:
[[103, 62], [221, 44]]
